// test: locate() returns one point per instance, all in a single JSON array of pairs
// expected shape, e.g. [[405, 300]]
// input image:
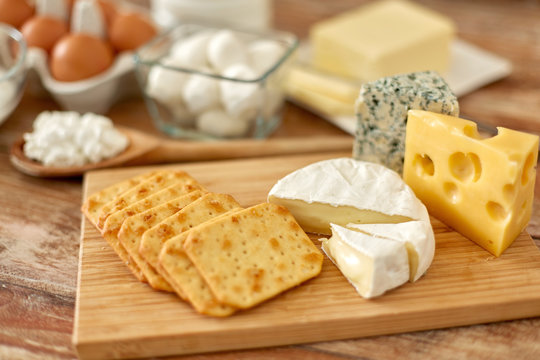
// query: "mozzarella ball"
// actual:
[[241, 100], [226, 49], [201, 93], [191, 52], [263, 54], [166, 85], [218, 123]]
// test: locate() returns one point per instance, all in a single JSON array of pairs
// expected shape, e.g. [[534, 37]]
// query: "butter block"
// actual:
[[482, 187], [381, 111], [328, 95], [381, 39]]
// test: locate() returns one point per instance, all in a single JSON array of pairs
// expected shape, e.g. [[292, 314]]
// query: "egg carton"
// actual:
[[97, 94]]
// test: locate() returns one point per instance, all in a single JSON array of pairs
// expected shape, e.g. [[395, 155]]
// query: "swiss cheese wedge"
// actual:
[[483, 188]]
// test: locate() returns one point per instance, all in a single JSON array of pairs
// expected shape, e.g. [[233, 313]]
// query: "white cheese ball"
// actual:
[[63, 139], [191, 51], [226, 49], [181, 116], [166, 85], [201, 93], [263, 54], [241, 100], [217, 122]]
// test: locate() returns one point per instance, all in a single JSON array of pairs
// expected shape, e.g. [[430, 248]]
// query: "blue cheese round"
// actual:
[[381, 111]]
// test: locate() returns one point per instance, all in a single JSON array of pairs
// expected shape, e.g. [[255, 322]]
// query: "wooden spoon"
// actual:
[[146, 149]]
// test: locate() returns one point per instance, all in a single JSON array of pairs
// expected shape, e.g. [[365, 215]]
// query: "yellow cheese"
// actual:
[[483, 188], [328, 95], [330, 86], [318, 102], [381, 39]]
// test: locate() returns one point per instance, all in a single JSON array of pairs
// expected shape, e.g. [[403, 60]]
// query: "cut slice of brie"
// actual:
[[371, 264], [416, 235], [343, 191]]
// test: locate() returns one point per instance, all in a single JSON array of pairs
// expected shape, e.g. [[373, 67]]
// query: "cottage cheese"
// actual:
[[61, 139]]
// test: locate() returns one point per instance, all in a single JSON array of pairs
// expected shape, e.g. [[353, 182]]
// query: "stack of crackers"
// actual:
[[177, 236]]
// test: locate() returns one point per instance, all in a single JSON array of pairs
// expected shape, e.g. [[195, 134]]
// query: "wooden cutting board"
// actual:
[[119, 317]]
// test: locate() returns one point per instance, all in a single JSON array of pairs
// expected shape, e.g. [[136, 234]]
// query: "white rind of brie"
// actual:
[[346, 190], [417, 236], [372, 265]]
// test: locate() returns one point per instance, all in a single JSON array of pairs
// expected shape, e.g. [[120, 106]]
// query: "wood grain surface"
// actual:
[[40, 220], [119, 317]]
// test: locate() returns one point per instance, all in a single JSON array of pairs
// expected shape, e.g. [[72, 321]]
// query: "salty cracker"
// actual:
[[199, 211], [253, 255], [95, 202], [133, 227], [115, 220], [150, 186], [177, 268]]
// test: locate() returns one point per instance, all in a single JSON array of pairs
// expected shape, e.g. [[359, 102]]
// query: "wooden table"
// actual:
[[40, 219]]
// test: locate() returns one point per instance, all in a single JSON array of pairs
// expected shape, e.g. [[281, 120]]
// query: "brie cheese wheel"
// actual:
[[417, 236], [343, 191], [372, 265]]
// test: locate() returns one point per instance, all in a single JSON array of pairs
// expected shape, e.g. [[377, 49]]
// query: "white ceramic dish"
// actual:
[[96, 94]]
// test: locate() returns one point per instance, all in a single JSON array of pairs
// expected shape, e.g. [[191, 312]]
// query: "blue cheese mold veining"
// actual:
[[381, 111]]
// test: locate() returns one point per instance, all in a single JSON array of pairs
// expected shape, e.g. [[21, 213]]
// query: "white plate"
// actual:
[[470, 69]]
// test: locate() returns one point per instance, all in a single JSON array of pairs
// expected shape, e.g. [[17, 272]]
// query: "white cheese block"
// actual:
[[343, 191], [416, 235], [372, 265], [381, 111]]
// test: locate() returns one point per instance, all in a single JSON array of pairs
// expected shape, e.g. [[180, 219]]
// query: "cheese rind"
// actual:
[[417, 236], [483, 188], [381, 111], [345, 190], [381, 39], [372, 265]]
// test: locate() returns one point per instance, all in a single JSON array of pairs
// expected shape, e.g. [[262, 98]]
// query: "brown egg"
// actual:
[[80, 56], [109, 11], [130, 30], [15, 12], [43, 31]]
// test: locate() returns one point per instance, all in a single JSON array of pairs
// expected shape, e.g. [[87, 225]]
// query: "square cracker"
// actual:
[[253, 255], [177, 268], [115, 220], [199, 211], [93, 204], [153, 184], [133, 228]]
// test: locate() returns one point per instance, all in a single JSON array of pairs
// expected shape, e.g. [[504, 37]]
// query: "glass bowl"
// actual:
[[13, 69], [207, 82]]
